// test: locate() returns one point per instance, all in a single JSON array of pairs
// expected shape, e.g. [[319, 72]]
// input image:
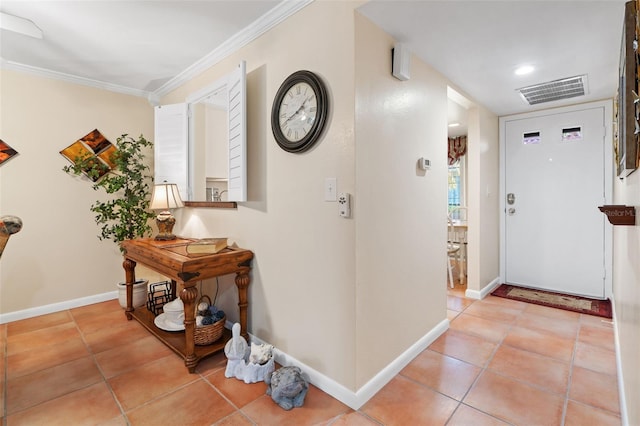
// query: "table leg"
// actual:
[[130, 278], [242, 282], [188, 296]]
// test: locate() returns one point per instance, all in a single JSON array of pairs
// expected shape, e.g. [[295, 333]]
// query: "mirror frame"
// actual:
[[191, 100]]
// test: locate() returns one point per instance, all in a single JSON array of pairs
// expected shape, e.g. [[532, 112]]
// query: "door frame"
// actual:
[[607, 105]]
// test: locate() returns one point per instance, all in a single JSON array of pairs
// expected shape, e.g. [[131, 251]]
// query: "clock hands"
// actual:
[[297, 111]]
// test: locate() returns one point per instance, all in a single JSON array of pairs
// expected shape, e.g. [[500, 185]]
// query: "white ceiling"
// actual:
[[142, 47]]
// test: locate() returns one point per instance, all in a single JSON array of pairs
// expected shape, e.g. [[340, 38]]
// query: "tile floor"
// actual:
[[501, 362]]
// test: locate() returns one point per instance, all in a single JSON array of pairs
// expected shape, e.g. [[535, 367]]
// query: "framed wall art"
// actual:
[[6, 152], [95, 148], [627, 107]]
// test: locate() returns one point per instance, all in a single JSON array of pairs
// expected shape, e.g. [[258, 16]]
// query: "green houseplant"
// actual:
[[125, 213]]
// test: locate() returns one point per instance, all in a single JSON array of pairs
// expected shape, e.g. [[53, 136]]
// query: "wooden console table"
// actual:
[[170, 259]]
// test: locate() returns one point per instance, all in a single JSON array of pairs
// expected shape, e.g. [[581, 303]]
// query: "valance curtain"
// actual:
[[457, 148]]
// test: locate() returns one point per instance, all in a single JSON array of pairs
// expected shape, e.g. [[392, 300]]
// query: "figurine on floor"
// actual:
[[261, 363], [287, 387], [236, 351]]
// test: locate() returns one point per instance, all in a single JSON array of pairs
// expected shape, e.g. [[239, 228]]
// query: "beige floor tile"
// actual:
[[111, 337], [515, 402], [41, 358], [595, 358], [211, 364], [537, 370], [465, 347], [458, 304], [534, 321], [404, 402], [92, 323], [30, 390], [3, 382], [451, 315], [236, 391], [132, 355], [38, 323], [595, 389], [540, 342], [468, 416], [596, 321], [494, 312], [150, 381], [492, 331], [195, 404], [352, 419], [89, 311], [441, 373], [41, 338], [3, 336], [597, 336], [505, 303], [235, 419], [90, 405], [525, 348], [318, 407], [581, 415]]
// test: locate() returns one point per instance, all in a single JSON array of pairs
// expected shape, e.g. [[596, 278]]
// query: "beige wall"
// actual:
[[57, 255], [626, 290], [483, 180], [302, 292], [400, 210]]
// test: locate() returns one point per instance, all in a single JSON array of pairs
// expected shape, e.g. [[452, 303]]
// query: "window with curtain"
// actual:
[[456, 192]]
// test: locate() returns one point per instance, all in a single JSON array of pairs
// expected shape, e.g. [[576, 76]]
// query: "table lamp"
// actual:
[[165, 196]]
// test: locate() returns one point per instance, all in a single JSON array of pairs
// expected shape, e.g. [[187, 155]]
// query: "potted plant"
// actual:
[[125, 214]]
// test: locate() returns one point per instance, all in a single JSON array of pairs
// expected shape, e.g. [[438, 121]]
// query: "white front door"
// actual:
[[554, 181]]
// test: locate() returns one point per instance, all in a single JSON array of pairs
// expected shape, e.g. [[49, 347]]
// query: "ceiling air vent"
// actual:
[[564, 88]]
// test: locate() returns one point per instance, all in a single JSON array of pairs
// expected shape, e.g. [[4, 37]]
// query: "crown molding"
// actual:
[[263, 24], [69, 78], [260, 26]]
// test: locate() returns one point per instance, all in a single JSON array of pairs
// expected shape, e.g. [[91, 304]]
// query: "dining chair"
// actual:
[[453, 249]]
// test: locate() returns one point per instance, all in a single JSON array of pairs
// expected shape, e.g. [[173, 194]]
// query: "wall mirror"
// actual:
[[201, 144]]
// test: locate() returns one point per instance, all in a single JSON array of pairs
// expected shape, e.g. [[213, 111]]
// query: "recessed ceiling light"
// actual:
[[454, 124], [523, 70]]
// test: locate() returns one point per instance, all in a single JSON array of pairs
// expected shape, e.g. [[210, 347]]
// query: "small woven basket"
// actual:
[[207, 334]]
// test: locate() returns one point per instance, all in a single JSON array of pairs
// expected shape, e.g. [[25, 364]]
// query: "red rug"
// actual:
[[568, 302]]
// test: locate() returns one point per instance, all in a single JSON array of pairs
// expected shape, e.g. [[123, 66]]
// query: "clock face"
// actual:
[[299, 111]]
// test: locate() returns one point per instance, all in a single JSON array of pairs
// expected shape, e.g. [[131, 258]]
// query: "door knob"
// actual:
[[511, 198], [511, 211]]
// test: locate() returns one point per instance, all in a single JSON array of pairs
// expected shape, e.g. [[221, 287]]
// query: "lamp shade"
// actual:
[[166, 196]]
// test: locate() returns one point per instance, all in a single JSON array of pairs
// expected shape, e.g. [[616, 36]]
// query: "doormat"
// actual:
[[568, 302]]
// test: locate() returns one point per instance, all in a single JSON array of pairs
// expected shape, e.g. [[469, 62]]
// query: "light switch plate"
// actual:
[[330, 189]]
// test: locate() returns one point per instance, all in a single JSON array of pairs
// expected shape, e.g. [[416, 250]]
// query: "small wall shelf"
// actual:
[[619, 214]]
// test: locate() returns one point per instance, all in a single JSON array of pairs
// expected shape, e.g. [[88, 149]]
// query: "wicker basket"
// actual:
[[207, 334]]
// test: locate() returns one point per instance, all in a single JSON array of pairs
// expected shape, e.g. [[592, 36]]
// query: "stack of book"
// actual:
[[207, 246]]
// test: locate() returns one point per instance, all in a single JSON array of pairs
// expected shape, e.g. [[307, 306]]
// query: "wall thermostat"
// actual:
[[424, 163]]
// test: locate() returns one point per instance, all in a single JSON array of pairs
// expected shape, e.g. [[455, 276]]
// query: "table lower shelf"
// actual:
[[176, 340]]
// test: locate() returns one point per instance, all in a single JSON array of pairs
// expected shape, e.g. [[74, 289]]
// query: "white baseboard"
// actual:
[[479, 295], [57, 307], [624, 414], [357, 399]]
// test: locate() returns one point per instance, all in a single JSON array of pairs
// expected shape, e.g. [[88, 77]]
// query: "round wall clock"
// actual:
[[299, 111]]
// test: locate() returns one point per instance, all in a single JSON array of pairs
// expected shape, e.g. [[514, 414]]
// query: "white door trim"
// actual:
[[608, 176]]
